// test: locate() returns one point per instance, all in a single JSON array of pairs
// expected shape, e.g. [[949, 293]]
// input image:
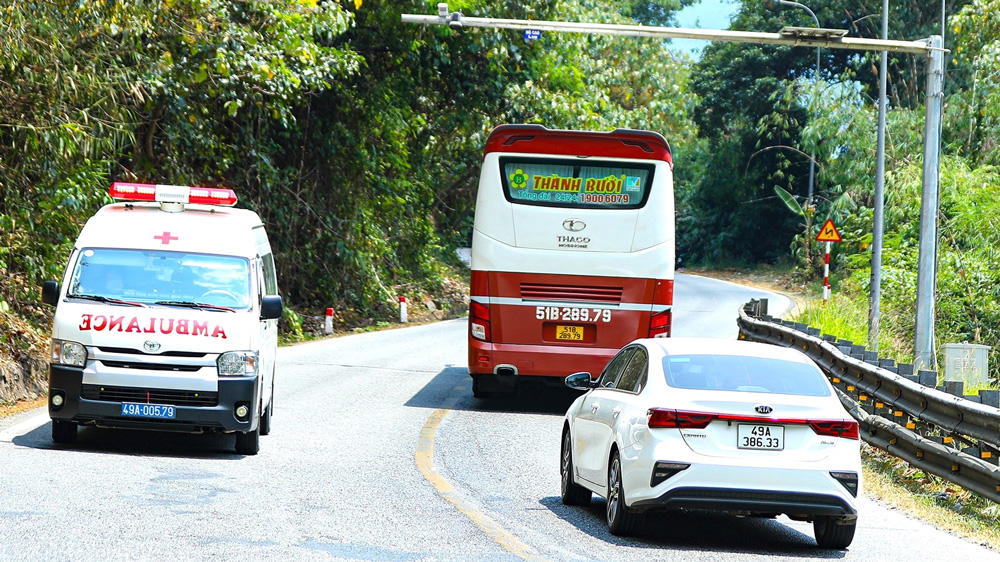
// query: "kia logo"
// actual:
[[151, 346], [763, 409], [574, 225]]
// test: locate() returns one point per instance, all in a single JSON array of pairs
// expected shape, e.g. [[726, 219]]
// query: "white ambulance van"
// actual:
[[166, 318]]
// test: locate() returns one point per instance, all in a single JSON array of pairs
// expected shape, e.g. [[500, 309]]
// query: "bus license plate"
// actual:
[[158, 411], [570, 333], [766, 437]]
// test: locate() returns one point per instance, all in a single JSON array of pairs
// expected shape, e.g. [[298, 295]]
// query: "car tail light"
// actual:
[[848, 429], [660, 417], [659, 324], [848, 480], [479, 321]]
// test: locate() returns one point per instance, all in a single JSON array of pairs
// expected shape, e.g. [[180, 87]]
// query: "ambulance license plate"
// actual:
[[569, 333], [157, 411]]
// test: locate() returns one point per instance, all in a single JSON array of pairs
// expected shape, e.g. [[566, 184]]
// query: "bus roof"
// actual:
[[620, 143]]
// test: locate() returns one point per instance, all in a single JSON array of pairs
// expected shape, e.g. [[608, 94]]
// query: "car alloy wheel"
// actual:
[[622, 521], [572, 493]]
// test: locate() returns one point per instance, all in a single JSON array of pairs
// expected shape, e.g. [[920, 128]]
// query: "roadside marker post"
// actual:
[[829, 235]]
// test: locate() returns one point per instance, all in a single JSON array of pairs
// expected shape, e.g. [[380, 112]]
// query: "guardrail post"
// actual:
[[955, 388], [927, 378], [990, 397]]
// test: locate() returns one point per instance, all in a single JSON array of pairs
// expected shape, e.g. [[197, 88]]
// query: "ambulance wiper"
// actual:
[[108, 300], [192, 304]]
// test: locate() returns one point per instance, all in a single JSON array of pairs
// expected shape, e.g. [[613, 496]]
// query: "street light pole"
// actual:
[[812, 155]]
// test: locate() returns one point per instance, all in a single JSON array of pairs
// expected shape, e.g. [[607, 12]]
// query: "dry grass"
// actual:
[[895, 483], [14, 408]]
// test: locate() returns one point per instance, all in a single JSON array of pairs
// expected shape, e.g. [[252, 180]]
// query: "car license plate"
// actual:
[[158, 411], [570, 333], [766, 437]]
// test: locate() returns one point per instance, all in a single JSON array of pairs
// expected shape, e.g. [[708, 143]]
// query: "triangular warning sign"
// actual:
[[828, 233]]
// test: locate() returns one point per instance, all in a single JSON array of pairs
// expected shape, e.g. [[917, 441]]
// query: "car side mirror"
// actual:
[[50, 292], [271, 307], [579, 381]]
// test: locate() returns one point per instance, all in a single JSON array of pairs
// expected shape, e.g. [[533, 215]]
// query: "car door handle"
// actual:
[[594, 407], [616, 412]]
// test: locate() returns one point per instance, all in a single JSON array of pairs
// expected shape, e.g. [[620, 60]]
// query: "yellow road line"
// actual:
[[425, 462]]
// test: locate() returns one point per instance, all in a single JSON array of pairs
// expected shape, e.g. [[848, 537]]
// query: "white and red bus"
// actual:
[[572, 252]]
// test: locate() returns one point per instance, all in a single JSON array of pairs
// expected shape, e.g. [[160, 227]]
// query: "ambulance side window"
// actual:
[[267, 260], [270, 278]]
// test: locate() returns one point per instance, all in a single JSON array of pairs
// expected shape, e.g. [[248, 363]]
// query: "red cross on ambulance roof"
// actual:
[[165, 238]]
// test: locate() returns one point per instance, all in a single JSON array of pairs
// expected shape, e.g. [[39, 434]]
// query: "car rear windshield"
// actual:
[[574, 184], [744, 374]]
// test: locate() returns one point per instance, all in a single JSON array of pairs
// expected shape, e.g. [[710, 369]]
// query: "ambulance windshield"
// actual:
[[151, 276]]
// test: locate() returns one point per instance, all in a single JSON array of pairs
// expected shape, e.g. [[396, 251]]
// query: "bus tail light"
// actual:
[[659, 324], [479, 321]]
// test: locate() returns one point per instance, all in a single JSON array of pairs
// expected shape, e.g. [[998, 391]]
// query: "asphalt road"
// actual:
[[379, 452]]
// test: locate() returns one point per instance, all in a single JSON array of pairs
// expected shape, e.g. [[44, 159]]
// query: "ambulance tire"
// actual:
[[265, 421], [248, 443], [63, 431], [265, 416]]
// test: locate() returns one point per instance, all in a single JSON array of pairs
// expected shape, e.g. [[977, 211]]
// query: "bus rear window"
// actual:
[[575, 184]]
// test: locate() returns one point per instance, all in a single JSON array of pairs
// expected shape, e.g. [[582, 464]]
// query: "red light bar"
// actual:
[[124, 191]]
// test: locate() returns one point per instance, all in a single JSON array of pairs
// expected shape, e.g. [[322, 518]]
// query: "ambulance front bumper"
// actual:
[[193, 412]]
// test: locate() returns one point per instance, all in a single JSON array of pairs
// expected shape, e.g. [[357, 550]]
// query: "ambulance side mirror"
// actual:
[[50, 292], [271, 307]]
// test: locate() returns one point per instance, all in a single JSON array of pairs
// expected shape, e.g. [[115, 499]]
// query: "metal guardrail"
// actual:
[[935, 429]]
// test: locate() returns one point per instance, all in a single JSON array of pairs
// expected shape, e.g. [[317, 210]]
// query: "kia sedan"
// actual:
[[724, 425]]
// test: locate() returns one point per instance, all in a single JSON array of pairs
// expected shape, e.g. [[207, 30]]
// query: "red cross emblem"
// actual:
[[165, 238]]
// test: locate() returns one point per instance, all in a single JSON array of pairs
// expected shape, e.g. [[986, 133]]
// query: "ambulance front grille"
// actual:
[[545, 291], [129, 351], [151, 366], [150, 395]]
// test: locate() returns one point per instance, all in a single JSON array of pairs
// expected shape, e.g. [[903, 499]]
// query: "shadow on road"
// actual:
[[135, 442], [455, 383], [686, 530]]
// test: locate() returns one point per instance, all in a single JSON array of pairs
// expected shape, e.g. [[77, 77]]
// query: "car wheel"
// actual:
[[833, 534], [572, 493], [63, 431], [622, 521]]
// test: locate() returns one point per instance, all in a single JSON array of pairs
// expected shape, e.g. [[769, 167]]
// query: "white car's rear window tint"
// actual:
[[744, 374]]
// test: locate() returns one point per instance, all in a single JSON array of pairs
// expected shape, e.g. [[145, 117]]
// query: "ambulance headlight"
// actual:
[[237, 364], [68, 353]]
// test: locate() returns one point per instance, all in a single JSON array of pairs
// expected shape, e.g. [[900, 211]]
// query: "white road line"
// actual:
[[8, 435]]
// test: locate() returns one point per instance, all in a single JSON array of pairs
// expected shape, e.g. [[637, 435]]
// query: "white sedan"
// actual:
[[724, 425]]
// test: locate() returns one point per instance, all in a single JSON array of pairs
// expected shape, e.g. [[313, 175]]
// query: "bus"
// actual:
[[572, 252]]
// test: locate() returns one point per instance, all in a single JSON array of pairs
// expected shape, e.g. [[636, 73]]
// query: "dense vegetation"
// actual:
[[358, 138]]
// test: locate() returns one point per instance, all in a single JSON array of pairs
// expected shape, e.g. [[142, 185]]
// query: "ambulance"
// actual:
[[166, 318]]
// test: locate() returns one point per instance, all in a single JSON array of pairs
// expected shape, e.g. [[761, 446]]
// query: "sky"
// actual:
[[707, 14]]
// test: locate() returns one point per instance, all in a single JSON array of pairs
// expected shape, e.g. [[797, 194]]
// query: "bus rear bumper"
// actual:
[[536, 360]]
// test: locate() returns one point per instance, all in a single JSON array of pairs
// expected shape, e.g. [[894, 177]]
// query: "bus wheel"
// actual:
[[477, 388]]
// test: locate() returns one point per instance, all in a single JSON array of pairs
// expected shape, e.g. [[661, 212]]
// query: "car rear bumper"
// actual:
[[217, 415], [743, 500]]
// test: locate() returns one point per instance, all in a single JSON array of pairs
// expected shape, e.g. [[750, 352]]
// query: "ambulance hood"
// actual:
[[165, 328]]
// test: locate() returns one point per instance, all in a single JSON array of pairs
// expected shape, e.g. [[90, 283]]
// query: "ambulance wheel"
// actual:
[[63, 431], [248, 443], [265, 421]]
